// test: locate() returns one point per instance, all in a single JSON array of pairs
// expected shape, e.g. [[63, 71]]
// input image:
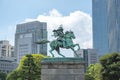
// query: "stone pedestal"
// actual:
[[62, 69]]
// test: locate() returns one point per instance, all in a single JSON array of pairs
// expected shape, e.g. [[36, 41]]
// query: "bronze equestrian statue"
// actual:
[[63, 40]]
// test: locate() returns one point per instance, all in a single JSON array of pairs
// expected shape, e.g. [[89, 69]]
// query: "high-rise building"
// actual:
[[25, 37], [90, 56], [6, 49], [106, 26], [100, 26], [114, 25]]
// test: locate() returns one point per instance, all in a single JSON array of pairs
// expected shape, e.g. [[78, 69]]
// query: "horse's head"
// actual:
[[70, 34]]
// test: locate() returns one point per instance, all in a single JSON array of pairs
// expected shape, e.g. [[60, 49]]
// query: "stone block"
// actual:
[[62, 69]]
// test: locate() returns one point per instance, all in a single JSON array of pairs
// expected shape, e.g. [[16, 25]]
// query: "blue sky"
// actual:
[[13, 12]]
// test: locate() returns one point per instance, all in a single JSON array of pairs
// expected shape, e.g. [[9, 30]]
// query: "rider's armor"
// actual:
[[59, 33]]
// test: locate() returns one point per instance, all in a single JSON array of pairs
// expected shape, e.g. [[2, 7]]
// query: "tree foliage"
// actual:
[[13, 75], [93, 72], [28, 69], [108, 69], [110, 66], [2, 76]]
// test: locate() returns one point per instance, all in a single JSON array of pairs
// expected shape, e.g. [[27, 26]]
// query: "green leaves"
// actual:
[[2, 76], [108, 69], [93, 72], [110, 66], [28, 69], [13, 75]]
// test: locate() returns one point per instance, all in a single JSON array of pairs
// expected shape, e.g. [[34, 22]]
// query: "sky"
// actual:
[[75, 15]]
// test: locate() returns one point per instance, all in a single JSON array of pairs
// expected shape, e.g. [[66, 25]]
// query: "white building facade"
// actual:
[[6, 49], [7, 64]]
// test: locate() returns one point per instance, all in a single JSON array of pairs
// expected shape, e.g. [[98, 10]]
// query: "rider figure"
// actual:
[[60, 34]]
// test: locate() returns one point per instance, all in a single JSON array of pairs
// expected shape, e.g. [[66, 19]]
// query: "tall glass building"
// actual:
[[100, 29], [25, 37], [106, 25], [114, 25]]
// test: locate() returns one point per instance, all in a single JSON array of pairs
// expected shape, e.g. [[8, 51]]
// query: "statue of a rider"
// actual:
[[60, 35], [63, 40]]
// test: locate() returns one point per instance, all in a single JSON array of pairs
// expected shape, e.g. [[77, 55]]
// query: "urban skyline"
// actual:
[[55, 13], [29, 25], [54, 16]]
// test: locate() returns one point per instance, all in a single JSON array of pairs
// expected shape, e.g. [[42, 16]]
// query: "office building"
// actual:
[[106, 26], [114, 25], [25, 37], [7, 64], [100, 26], [6, 49], [90, 56]]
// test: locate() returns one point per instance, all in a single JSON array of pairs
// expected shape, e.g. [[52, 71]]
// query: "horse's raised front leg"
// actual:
[[77, 45]]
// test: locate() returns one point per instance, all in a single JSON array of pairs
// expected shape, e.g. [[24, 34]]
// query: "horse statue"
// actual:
[[62, 41], [56, 44]]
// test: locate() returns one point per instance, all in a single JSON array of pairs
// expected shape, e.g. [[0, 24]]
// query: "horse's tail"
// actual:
[[42, 42]]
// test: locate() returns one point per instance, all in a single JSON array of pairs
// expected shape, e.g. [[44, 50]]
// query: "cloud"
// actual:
[[79, 22]]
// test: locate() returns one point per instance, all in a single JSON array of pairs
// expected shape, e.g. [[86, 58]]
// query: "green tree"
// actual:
[[110, 66], [2, 76], [13, 75], [93, 72], [88, 77], [28, 69]]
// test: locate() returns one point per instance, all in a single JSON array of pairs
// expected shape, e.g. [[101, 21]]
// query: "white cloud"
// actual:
[[79, 22]]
